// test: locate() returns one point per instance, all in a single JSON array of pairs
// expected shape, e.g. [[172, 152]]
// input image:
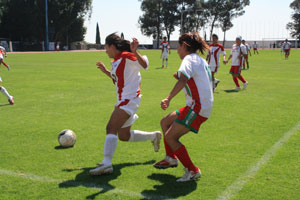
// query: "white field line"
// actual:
[[111, 190], [239, 183]]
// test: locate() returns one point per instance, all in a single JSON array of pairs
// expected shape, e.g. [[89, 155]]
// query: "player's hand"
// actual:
[[165, 103], [134, 45], [101, 66]]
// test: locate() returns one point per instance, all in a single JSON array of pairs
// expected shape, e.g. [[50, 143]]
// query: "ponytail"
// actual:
[[118, 42], [193, 42]]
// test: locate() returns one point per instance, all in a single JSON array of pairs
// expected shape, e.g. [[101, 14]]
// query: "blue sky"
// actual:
[[263, 19]]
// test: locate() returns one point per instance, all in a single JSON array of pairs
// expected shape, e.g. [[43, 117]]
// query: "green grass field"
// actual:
[[56, 91]]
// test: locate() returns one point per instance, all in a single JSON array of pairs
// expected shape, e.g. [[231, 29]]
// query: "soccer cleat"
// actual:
[[0, 79], [11, 100], [101, 169], [237, 88], [156, 141], [166, 163], [190, 176], [248, 67], [245, 85], [216, 83], [8, 67]]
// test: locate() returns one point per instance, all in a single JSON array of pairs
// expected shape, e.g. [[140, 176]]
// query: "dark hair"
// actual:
[[118, 42], [215, 35], [194, 42]]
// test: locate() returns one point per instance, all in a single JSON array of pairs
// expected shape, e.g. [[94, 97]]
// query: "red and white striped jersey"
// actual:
[[214, 54], [236, 52], [164, 45], [198, 90], [286, 45], [126, 75], [2, 50]]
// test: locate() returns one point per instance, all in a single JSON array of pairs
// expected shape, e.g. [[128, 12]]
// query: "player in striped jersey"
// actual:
[[2, 89], [213, 58], [286, 46], [237, 54], [125, 73], [245, 60], [255, 47], [165, 49], [194, 77]]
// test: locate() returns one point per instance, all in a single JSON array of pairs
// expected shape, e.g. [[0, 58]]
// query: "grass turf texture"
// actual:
[[55, 91]]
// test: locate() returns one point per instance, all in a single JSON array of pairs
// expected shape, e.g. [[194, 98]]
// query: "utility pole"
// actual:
[[47, 32]]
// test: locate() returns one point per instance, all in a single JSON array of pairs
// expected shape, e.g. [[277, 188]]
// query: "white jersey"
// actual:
[[164, 45], [247, 47], [2, 50], [126, 75], [198, 90], [286, 45], [236, 52], [214, 54]]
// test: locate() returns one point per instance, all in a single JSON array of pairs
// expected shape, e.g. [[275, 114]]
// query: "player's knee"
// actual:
[[123, 137]]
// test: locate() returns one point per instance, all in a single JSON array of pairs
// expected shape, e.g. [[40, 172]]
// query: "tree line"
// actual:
[[24, 20], [162, 16]]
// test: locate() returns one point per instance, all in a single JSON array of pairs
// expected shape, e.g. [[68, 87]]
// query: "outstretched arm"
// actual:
[[102, 67], [177, 88], [133, 46]]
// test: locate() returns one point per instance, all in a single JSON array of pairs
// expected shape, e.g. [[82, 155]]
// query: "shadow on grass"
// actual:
[[168, 188], [61, 147], [231, 91], [99, 182], [7, 104]]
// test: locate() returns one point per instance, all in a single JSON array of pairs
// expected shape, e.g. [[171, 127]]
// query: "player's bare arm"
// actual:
[[134, 46], [177, 88], [102, 67]]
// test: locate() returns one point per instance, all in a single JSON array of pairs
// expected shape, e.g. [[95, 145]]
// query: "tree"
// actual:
[[24, 20], [294, 26], [151, 22], [170, 16], [230, 10], [98, 39], [224, 11]]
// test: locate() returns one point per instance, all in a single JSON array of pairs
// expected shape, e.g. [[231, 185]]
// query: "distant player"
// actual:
[[255, 48], [165, 48], [237, 53], [125, 73], [245, 60], [213, 58], [286, 46], [2, 89], [194, 78]]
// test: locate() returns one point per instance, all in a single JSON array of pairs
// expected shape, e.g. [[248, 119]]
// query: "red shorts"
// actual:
[[189, 118], [254, 48], [287, 51], [235, 70]]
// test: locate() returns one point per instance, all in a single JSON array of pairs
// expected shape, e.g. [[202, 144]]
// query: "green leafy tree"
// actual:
[[294, 26], [24, 20], [98, 40]]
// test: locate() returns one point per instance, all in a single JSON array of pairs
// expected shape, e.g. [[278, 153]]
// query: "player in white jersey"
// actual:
[[286, 46], [213, 58], [237, 54], [245, 60], [194, 77], [125, 73], [2, 89], [255, 48], [165, 50]]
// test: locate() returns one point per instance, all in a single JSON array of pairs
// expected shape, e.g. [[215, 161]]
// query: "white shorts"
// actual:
[[1, 56], [165, 55], [130, 107]]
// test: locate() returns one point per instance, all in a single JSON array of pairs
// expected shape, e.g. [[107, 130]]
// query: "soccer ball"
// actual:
[[67, 138]]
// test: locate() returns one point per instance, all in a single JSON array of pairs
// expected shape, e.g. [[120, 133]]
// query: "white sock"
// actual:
[[111, 141], [136, 136], [166, 63], [4, 91]]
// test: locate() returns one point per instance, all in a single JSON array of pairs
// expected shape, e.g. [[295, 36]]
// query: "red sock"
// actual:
[[242, 78], [184, 158], [169, 151], [236, 81], [4, 64]]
